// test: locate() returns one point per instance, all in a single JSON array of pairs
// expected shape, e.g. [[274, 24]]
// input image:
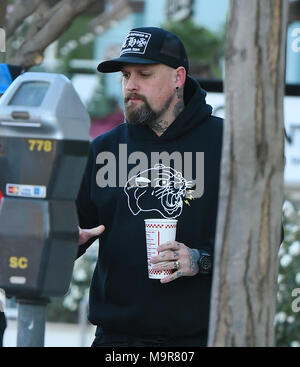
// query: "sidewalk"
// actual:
[[56, 335]]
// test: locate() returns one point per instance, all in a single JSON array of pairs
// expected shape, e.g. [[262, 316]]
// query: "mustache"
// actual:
[[134, 95]]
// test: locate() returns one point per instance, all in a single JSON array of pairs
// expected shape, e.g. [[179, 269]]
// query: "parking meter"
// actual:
[[44, 142]]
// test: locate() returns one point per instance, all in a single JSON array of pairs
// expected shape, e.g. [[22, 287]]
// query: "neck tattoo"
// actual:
[[180, 104], [160, 126]]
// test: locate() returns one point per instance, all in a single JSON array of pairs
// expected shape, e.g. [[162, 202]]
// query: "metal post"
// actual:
[[31, 322], [83, 311]]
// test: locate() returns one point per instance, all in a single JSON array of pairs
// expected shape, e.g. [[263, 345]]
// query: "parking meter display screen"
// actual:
[[30, 94]]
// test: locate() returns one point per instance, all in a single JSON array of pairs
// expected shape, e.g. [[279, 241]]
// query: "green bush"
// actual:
[[205, 48], [66, 309], [287, 320]]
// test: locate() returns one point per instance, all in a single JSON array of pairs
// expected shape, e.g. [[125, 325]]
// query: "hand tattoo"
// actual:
[[194, 257]]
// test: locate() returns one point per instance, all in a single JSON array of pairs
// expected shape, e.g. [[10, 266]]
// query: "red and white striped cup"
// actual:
[[158, 231]]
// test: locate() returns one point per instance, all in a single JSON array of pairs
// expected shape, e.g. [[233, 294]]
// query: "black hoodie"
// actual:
[[123, 300]]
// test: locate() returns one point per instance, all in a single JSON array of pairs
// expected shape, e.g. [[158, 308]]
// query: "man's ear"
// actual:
[[180, 76]]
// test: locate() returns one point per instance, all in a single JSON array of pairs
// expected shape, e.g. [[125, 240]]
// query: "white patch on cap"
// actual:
[[136, 43]]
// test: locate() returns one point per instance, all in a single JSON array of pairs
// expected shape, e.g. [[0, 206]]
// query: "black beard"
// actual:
[[145, 115]]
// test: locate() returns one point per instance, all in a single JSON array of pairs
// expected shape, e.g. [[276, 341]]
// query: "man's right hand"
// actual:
[[86, 234]]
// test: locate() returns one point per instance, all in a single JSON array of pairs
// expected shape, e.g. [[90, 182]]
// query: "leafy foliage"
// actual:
[[79, 28], [101, 104], [287, 321], [204, 48], [66, 309]]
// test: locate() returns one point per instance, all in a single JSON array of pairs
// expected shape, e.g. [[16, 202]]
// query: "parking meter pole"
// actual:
[[31, 322]]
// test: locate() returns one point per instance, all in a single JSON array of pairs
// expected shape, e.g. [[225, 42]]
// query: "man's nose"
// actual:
[[132, 84]]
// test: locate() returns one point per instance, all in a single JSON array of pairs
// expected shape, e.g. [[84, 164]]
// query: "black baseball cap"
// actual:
[[148, 45]]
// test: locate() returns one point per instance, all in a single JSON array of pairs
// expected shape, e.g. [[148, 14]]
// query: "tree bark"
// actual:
[[48, 29], [249, 220], [3, 5], [22, 10]]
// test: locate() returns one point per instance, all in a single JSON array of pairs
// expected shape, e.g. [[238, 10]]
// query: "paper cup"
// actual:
[[158, 231]]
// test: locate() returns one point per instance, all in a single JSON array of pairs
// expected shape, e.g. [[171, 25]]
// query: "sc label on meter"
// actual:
[[18, 262]]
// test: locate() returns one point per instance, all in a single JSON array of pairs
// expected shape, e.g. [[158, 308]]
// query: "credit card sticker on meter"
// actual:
[[28, 191]]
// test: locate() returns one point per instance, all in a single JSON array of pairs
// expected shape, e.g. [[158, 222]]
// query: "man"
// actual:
[[7, 74], [169, 130]]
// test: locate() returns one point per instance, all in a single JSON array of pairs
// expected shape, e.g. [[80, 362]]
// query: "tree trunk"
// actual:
[[251, 194], [3, 5], [47, 29], [22, 10]]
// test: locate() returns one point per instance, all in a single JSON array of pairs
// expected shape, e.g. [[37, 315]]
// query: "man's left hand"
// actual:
[[177, 256]]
